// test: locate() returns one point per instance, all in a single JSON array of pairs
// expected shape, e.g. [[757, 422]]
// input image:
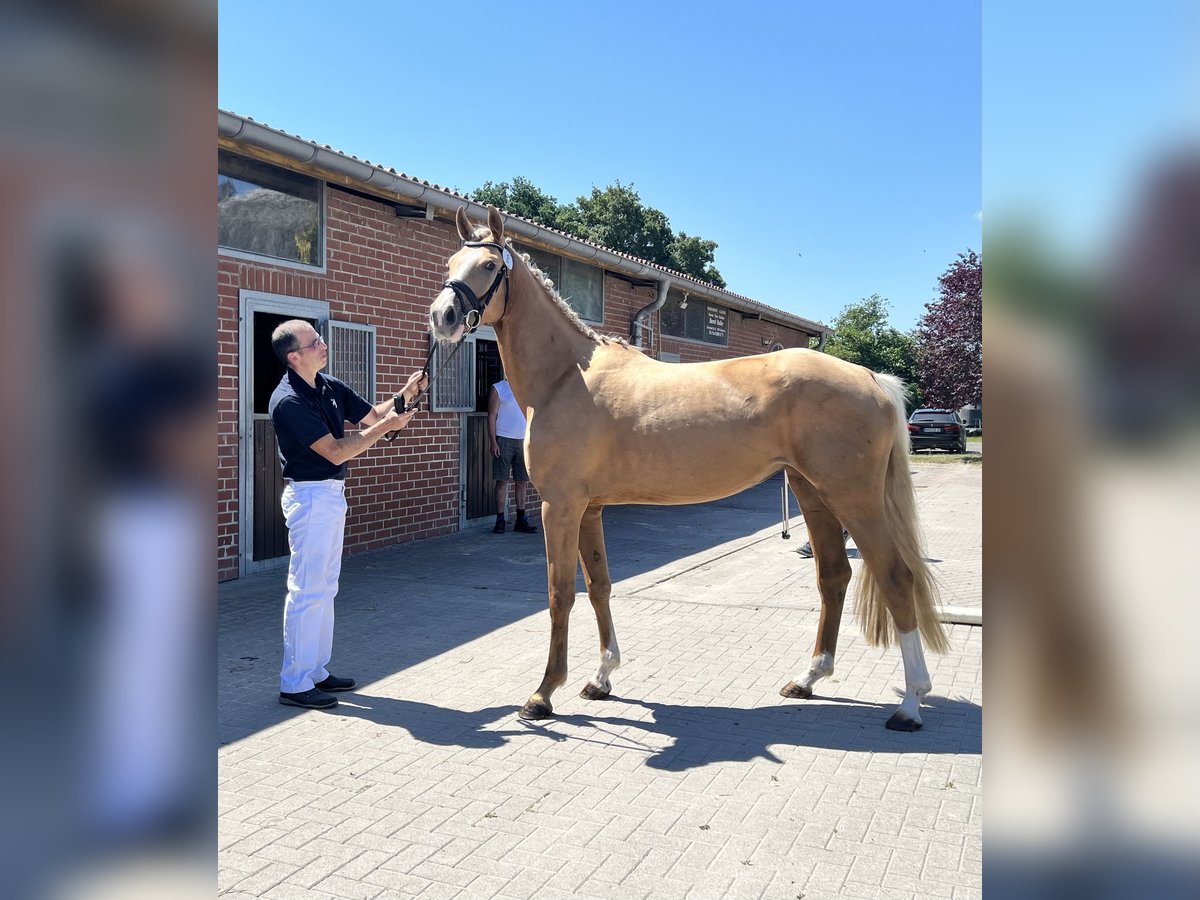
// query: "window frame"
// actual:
[[322, 208], [333, 339], [461, 376], [562, 260], [676, 294]]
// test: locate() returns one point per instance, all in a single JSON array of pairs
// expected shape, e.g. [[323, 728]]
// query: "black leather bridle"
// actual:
[[464, 297], [470, 306]]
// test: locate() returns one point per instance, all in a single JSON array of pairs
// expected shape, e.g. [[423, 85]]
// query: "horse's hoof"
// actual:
[[591, 692], [533, 710], [795, 691], [901, 722]]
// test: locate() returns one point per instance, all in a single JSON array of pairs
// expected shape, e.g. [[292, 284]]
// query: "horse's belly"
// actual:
[[685, 472], [673, 455]]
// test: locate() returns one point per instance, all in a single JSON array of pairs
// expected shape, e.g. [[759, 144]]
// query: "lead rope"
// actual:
[[470, 319], [403, 408]]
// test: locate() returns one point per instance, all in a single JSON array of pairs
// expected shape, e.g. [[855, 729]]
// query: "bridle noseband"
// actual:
[[464, 297]]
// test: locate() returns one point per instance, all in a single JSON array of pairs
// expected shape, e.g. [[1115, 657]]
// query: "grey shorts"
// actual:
[[510, 464]]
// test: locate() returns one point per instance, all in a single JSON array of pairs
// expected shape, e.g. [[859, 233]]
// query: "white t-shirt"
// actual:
[[510, 421]]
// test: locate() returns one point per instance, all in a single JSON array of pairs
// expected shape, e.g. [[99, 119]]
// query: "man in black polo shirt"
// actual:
[[309, 411]]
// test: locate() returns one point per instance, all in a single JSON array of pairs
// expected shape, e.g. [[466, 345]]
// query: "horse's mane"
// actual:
[[483, 233]]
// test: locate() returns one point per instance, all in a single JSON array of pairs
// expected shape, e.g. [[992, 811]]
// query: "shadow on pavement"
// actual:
[[704, 735], [431, 724], [399, 606], [699, 735]]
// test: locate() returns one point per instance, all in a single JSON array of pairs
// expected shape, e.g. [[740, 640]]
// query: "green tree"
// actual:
[[521, 197], [694, 255], [864, 336], [616, 218], [613, 217]]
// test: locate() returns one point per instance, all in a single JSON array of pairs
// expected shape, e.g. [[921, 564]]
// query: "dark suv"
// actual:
[[933, 429]]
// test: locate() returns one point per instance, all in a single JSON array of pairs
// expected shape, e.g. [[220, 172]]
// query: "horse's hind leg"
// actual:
[[560, 522], [599, 587], [833, 575], [895, 584]]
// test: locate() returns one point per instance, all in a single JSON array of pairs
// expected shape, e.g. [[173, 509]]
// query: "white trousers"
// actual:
[[315, 512], [151, 635]]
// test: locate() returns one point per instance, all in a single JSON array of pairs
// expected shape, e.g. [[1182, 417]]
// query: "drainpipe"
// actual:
[[635, 327]]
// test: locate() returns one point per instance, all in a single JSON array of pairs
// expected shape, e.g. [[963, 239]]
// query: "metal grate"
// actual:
[[352, 356], [454, 386]]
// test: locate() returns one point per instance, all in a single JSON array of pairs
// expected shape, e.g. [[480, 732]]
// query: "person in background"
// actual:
[[506, 429], [806, 549]]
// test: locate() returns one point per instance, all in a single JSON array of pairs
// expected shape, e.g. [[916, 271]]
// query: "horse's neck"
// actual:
[[538, 344]]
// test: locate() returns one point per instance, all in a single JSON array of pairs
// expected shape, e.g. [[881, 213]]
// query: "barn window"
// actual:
[[453, 366], [694, 320], [580, 284], [352, 357], [267, 211]]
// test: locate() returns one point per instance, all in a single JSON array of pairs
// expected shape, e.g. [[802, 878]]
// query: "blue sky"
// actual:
[[1081, 102], [832, 150]]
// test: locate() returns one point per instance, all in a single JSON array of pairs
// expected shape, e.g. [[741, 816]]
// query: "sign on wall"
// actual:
[[716, 330]]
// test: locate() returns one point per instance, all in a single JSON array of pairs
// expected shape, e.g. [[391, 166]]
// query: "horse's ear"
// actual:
[[465, 228], [496, 223]]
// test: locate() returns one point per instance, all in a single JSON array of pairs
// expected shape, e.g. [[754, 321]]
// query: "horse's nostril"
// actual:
[[450, 317]]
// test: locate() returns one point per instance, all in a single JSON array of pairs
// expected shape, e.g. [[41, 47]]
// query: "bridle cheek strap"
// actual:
[[470, 306]]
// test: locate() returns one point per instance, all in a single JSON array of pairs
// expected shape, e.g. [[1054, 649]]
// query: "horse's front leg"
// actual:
[[599, 587], [560, 525]]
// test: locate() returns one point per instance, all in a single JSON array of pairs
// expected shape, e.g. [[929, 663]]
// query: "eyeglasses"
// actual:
[[317, 343]]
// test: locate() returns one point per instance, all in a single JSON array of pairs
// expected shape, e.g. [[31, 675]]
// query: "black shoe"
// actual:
[[806, 550], [498, 528], [333, 684], [310, 699], [524, 527]]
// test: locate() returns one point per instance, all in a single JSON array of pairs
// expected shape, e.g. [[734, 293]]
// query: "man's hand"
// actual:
[[394, 421], [416, 383], [495, 447]]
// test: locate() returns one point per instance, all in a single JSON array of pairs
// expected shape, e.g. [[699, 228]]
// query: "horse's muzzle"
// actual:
[[445, 321]]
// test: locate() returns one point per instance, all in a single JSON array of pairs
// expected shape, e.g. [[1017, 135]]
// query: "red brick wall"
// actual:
[[381, 271], [621, 301], [227, 425], [384, 271], [746, 337]]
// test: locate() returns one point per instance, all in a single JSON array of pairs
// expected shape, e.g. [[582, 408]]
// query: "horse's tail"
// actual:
[[900, 516]]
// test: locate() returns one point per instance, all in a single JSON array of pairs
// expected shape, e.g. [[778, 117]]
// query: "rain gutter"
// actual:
[[387, 181]]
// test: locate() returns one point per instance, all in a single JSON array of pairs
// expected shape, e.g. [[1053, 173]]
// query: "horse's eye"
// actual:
[[490, 266]]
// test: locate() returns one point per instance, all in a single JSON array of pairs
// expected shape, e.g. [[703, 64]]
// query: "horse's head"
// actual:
[[476, 290]]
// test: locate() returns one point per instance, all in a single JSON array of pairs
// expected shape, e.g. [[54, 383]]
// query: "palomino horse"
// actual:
[[606, 424]]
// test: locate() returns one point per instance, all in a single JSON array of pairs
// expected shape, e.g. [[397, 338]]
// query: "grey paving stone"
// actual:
[[694, 780]]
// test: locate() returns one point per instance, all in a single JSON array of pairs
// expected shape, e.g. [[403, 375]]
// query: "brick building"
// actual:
[[360, 250]]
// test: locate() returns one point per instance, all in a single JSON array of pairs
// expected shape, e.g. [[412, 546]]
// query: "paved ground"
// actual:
[[695, 780]]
